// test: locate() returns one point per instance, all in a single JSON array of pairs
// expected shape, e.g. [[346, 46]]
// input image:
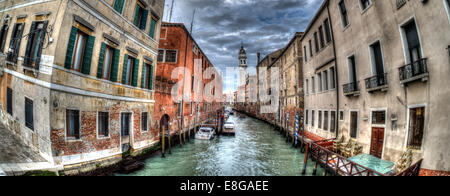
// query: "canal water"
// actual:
[[256, 150]]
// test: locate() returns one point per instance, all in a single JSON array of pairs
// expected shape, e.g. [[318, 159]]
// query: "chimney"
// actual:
[[259, 58]]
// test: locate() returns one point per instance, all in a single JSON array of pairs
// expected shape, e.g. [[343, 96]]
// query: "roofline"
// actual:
[[168, 24], [297, 35], [322, 7]]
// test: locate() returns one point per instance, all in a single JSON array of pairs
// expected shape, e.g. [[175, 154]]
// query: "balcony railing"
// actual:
[[351, 89], [377, 82], [414, 71]]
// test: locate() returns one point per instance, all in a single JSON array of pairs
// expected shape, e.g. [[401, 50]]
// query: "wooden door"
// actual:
[[376, 148]]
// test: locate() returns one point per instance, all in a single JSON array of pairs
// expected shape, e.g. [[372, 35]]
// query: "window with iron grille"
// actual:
[[103, 124], [160, 55], [320, 119], [333, 122], [144, 120], [171, 56], [29, 115], [379, 117], [344, 14], [9, 101], [73, 124], [416, 127]]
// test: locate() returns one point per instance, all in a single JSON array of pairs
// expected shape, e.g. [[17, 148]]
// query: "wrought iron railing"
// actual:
[[377, 81], [351, 87], [414, 69]]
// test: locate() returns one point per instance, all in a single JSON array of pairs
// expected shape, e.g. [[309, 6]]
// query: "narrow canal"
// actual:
[[256, 150]]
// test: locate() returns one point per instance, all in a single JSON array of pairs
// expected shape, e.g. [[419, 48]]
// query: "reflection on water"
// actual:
[[256, 150]]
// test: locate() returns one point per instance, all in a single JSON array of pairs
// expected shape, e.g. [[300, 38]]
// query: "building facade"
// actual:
[[390, 62], [177, 50], [78, 79]]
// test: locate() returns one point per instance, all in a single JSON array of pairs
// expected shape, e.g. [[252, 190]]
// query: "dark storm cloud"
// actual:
[[262, 25]]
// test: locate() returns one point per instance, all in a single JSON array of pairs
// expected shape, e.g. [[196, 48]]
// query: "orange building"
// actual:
[[178, 49]]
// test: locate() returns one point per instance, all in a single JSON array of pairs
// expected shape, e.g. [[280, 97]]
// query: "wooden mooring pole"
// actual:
[[170, 143], [163, 138], [305, 162]]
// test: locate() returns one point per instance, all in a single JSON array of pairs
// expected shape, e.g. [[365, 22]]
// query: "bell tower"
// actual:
[[242, 66]]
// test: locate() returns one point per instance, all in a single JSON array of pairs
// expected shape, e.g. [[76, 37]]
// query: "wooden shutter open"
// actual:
[[124, 69], [70, 47], [115, 65], [101, 61], [87, 58]]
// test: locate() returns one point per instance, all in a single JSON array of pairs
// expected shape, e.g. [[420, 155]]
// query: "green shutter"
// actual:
[[144, 20], [150, 78], [144, 66], [70, 47], [135, 73], [124, 69], [115, 65], [152, 28], [136, 14], [101, 61], [118, 5], [87, 58]]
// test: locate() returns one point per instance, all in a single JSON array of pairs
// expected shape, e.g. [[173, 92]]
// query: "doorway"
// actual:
[[377, 141], [125, 130]]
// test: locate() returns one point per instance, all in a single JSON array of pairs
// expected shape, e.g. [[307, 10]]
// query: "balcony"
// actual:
[[351, 89], [377, 82], [415, 71]]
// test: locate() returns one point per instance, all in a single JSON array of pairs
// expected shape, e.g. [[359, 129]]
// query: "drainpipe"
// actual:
[[336, 71]]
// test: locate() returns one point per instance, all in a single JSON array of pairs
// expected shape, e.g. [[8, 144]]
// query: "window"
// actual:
[[29, 114], [125, 125], [103, 124], [326, 24], [322, 38], [144, 120], [73, 124], [118, 5], [153, 23], [313, 85], [3, 33], [130, 71], [332, 79], [416, 127], [79, 51], [192, 108], [353, 124], [310, 48], [377, 59], [333, 122], [147, 76], [171, 56], [352, 69], [180, 109], [109, 53], [447, 8], [16, 38], [313, 116], [34, 46], [306, 117], [307, 86], [341, 115], [325, 120], [364, 4], [344, 14], [320, 119], [413, 51], [9, 101], [316, 41], [319, 79], [160, 55], [304, 51], [140, 16], [379, 117], [325, 80]]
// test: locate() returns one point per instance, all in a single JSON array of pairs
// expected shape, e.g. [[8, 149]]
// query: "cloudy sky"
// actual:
[[262, 25]]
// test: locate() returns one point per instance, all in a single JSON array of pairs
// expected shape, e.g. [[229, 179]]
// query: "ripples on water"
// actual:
[[256, 150]]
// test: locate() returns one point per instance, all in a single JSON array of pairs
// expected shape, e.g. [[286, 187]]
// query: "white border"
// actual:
[[80, 125], [97, 127], [407, 123], [364, 10], [350, 123]]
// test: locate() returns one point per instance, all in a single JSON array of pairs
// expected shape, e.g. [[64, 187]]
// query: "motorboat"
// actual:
[[205, 133], [229, 128]]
